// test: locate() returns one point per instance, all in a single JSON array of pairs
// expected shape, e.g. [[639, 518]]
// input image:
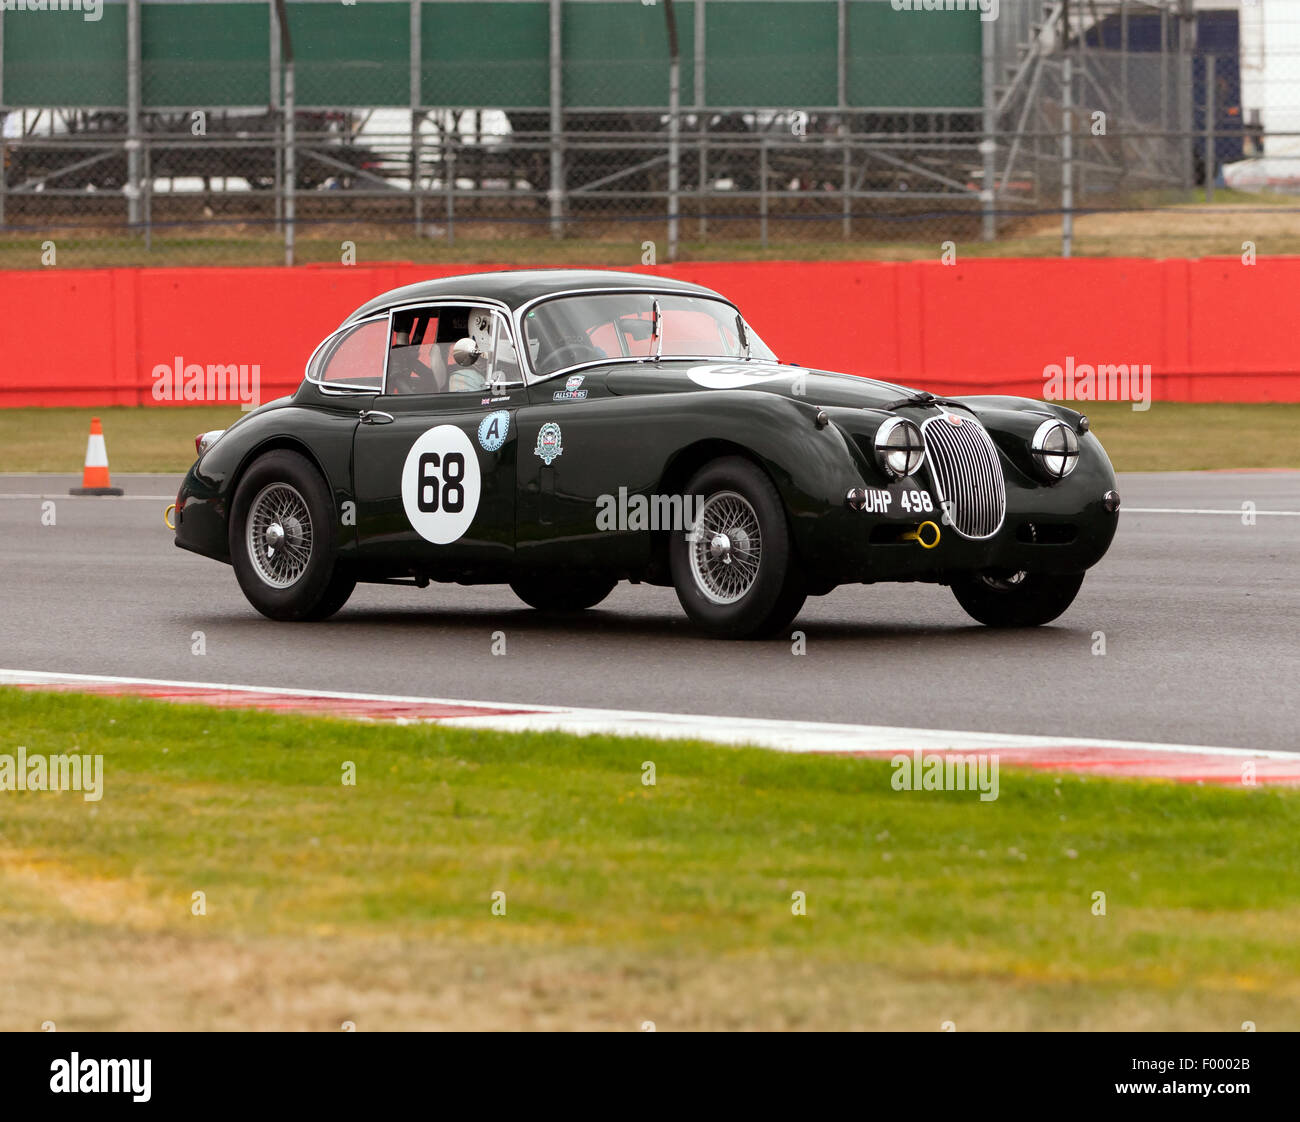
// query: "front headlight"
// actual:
[[1056, 449], [899, 447]]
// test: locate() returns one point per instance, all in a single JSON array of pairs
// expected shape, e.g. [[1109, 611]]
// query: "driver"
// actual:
[[475, 377]]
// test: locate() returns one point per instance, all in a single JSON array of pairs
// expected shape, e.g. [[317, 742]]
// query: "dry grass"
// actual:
[[90, 977]]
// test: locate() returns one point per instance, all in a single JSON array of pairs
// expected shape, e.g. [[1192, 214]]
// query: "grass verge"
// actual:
[[1155, 224], [1171, 436], [624, 902]]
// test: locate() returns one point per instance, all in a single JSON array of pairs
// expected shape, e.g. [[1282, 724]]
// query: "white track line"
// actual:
[[63, 495], [785, 736], [1237, 511]]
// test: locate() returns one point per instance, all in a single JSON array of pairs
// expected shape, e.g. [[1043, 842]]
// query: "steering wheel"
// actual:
[[573, 353]]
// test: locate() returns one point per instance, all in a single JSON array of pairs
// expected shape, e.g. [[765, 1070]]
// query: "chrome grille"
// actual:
[[967, 475]]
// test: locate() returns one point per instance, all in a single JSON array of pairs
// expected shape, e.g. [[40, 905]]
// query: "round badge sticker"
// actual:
[[493, 430], [441, 484]]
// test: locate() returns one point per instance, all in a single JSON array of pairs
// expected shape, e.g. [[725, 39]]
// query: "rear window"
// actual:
[[353, 359]]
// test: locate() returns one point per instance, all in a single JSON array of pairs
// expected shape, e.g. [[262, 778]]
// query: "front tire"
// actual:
[[284, 540], [735, 573], [1016, 599]]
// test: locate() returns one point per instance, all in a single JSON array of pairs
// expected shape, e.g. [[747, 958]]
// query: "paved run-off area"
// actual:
[[1196, 609]]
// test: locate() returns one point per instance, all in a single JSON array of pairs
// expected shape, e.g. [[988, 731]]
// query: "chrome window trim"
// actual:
[[526, 358], [342, 389], [500, 314]]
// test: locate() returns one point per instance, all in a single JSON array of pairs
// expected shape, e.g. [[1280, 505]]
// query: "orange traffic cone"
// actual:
[[94, 477]]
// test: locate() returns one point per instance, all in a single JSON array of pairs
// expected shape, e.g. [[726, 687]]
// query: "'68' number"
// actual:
[[917, 501], [451, 484], [441, 484]]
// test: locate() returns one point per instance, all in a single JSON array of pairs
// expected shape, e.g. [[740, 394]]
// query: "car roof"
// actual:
[[515, 287]]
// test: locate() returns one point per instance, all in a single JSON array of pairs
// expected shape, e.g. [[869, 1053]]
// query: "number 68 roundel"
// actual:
[[441, 484]]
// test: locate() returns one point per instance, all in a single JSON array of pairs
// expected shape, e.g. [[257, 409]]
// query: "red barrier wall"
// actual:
[[1211, 330]]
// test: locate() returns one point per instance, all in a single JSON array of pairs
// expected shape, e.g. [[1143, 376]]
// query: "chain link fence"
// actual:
[[231, 133]]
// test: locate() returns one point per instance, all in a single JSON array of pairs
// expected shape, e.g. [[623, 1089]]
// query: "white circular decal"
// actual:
[[731, 376], [440, 484]]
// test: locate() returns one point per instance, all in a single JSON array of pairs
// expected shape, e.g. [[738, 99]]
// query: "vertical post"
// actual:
[[701, 119], [290, 163], [277, 143], [1211, 109], [3, 176], [557, 120], [1164, 80], [449, 138], [290, 123], [1186, 93], [988, 144], [148, 200], [842, 103], [1123, 53], [417, 118], [674, 131], [133, 112], [762, 190], [1067, 153]]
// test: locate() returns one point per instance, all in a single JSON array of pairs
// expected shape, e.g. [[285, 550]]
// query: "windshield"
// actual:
[[570, 330]]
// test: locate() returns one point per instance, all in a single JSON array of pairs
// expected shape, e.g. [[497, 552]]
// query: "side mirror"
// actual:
[[466, 352]]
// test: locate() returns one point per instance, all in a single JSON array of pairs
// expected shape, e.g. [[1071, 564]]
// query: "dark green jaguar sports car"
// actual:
[[560, 430]]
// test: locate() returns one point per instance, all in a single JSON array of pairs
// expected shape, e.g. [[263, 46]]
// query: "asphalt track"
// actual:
[[1200, 614]]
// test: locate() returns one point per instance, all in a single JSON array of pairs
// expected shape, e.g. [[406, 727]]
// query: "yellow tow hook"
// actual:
[[167, 517], [916, 535]]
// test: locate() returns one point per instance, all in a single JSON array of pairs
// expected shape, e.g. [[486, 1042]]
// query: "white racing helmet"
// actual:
[[480, 329]]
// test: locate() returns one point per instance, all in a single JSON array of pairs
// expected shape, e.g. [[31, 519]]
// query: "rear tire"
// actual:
[[561, 592], [1016, 599], [736, 574], [284, 540]]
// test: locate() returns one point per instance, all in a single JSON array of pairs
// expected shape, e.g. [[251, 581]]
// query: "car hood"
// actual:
[[820, 387]]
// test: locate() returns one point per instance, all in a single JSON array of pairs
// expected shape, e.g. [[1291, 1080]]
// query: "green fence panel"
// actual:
[[59, 58], [616, 55], [205, 55], [351, 54], [779, 55], [485, 54], [913, 59], [761, 53]]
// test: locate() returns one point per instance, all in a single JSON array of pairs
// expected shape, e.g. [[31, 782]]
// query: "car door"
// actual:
[[435, 456], [581, 454]]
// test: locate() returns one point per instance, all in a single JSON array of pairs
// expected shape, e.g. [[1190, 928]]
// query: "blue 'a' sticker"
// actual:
[[493, 429]]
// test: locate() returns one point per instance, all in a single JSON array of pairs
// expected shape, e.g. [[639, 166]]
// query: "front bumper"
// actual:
[[1064, 528]]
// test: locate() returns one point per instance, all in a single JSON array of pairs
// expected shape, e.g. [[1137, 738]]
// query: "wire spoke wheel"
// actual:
[[279, 535], [1004, 582], [726, 547]]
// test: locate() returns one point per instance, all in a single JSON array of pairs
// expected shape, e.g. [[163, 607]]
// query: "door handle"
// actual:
[[375, 417]]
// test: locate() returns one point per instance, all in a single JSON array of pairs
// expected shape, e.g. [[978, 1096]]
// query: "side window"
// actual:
[[354, 358], [420, 352], [417, 362]]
